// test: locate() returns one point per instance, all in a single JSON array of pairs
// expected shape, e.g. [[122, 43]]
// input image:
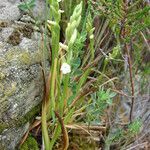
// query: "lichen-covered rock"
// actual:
[[10, 137], [21, 81], [39, 9], [9, 10]]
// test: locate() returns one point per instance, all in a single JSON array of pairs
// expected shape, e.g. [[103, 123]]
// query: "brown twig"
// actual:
[[93, 63], [32, 126], [86, 92], [141, 145], [121, 93], [131, 81], [126, 47], [64, 132], [86, 127]]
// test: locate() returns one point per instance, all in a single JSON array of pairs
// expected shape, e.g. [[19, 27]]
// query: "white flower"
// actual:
[[61, 11], [38, 118], [91, 36], [65, 68]]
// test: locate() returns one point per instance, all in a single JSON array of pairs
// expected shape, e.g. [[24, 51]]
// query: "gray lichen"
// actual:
[[21, 84]]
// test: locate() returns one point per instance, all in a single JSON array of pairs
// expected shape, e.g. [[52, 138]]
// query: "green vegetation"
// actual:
[[20, 120], [27, 5], [30, 144], [98, 49]]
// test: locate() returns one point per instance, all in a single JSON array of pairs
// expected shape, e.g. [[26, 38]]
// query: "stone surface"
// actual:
[[11, 136], [9, 10], [21, 81], [39, 9]]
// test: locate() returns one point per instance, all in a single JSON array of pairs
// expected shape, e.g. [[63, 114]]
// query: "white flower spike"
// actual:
[[65, 68]]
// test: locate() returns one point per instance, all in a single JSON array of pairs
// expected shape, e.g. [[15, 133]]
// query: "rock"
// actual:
[[6, 32], [21, 82], [12, 136], [9, 10], [39, 9], [21, 79]]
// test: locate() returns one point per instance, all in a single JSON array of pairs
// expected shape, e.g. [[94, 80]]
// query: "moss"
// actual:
[[2, 62], [24, 146], [2, 146], [1, 86], [10, 90], [11, 54], [2, 76], [25, 58], [20, 121], [29, 59], [14, 38], [29, 116], [30, 144], [3, 126], [82, 142]]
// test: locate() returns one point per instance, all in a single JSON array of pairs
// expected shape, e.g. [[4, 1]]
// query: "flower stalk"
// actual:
[[50, 107]]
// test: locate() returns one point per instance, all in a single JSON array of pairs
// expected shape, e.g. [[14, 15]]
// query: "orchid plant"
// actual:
[[70, 82], [55, 104], [84, 64]]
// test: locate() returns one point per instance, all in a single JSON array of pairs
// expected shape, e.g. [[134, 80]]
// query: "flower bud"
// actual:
[[63, 46], [73, 37]]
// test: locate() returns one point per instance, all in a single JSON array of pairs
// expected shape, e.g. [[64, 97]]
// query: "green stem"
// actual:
[[65, 89], [92, 49], [44, 128], [52, 88]]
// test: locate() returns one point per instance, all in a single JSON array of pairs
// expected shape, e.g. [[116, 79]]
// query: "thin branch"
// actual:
[[64, 131], [131, 81], [145, 40], [86, 92], [93, 127], [121, 93], [142, 145], [126, 47]]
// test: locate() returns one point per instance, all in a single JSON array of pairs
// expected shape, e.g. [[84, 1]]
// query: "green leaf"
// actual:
[[78, 72], [76, 63], [109, 101], [25, 6], [83, 79], [112, 94], [70, 99], [134, 127]]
